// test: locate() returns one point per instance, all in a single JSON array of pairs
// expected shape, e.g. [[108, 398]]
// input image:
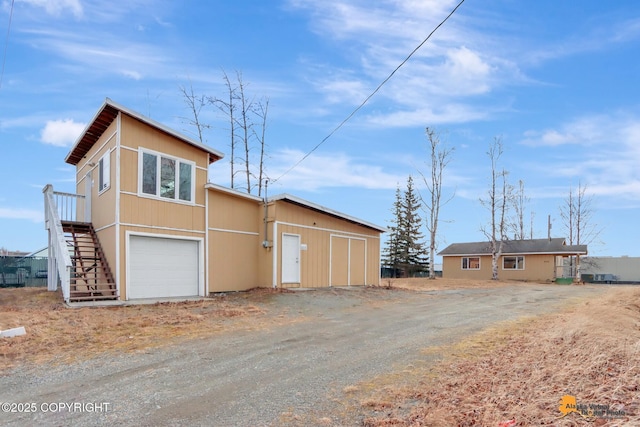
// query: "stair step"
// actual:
[[91, 276], [77, 294], [92, 298]]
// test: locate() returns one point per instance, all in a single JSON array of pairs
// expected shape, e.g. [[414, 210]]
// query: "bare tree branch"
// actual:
[[497, 202], [195, 103], [440, 156]]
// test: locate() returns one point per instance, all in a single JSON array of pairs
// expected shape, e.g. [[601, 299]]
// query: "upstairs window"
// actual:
[[166, 177], [104, 172], [471, 263], [513, 263]]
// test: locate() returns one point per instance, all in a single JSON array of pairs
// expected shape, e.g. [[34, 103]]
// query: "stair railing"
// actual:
[[59, 260]]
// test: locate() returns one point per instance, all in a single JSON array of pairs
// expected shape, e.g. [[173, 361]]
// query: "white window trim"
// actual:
[[517, 264], [469, 257], [104, 169], [178, 160]]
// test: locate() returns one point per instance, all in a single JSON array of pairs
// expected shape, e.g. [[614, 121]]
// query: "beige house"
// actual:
[[536, 260], [146, 223]]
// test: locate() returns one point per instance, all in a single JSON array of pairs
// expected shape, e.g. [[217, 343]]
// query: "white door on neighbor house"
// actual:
[[290, 258], [162, 267]]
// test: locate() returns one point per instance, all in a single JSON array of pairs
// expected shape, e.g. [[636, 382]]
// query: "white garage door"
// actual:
[[162, 267]]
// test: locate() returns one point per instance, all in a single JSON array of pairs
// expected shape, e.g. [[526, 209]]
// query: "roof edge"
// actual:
[[232, 192], [147, 120], [311, 205]]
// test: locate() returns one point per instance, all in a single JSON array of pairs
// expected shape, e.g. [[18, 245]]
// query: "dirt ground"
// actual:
[[53, 329], [509, 374]]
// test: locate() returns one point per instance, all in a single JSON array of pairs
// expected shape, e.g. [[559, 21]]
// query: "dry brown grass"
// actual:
[[424, 284], [521, 371], [60, 334]]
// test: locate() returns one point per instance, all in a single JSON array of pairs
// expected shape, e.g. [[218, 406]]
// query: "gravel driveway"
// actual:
[[292, 374]]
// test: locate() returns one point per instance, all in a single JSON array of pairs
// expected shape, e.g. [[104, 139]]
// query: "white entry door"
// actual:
[[290, 258]]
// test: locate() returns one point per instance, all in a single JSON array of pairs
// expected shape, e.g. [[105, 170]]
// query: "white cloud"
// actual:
[[99, 51], [338, 91], [27, 214], [330, 170], [58, 7], [449, 113], [465, 66], [456, 63], [587, 130], [61, 133], [131, 74], [602, 151]]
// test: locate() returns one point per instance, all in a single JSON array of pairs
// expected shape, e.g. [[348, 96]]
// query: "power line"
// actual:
[[6, 44], [372, 93]]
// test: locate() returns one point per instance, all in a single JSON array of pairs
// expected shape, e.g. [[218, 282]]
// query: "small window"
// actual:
[[149, 172], [166, 177], [471, 263], [513, 263], [104, 172], [185, 182]]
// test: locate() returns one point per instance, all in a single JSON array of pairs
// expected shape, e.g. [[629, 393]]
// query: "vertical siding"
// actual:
[[152, 215], [235, 240], [357, 255], [103, 211], [315, 229], [339, 261]]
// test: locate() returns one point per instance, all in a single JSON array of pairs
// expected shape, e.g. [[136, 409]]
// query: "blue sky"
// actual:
[[557, 81]]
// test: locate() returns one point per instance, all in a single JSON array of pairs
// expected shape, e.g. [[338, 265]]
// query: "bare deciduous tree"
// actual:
[[261, 110], [520, 202], [497, 202], [228, 108], [246, 126], [242, 113], [440, 156], [195, 103], [576, 214]]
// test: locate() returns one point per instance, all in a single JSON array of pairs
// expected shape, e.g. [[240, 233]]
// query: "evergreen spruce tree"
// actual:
[[405, 249], [391, 251], [414, 256]]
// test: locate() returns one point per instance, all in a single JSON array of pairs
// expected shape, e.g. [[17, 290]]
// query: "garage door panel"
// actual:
[[339, 261], [162, 267], [357, 262]]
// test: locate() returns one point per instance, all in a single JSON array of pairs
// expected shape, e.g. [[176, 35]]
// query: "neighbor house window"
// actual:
[[471, 263], [104, 172], [166, 177], [513, 263]]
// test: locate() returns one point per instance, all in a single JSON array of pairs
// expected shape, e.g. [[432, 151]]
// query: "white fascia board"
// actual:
[[329, 211], [231, 191]]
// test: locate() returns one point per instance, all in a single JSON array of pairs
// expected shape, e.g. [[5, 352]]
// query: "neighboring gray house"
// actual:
[[606, 269]]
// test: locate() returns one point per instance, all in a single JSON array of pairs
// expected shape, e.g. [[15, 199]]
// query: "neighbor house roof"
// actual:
[[310, 205], [107, 114], [554, 246]]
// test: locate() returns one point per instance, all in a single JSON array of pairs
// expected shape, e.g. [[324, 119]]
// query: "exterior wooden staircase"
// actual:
[[91, 277]]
